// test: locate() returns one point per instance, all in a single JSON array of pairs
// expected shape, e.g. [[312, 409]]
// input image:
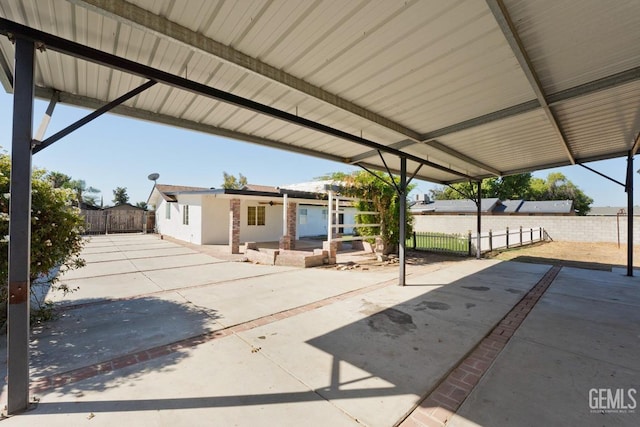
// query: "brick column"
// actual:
[[288, 241], [234, 226]]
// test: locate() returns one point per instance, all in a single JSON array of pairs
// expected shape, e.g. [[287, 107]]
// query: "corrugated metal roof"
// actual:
[[439, 81]]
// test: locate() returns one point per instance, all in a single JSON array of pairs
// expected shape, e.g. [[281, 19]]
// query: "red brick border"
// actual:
[[437, 408], [85, 372]]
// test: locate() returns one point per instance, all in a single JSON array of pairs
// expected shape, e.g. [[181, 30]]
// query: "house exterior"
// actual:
[[492, 206], [254, 213]]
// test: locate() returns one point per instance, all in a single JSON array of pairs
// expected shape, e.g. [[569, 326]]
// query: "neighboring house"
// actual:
[[123, 207], [254, 213], [492, 206], [612, 211]]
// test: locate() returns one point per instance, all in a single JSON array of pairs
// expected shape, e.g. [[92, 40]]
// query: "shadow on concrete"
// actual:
[[393, 350], [566, 263], [93, 331]]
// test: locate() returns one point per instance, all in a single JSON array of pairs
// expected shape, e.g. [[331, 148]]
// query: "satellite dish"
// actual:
[[154, 177]]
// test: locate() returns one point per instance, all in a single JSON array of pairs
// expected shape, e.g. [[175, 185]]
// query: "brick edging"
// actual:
[[437, 408], [85, 372]]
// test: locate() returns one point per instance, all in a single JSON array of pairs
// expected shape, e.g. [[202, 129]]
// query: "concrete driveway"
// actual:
[[160, 334]]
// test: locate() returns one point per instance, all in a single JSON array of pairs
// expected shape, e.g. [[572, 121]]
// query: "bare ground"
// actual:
[[595, 256]]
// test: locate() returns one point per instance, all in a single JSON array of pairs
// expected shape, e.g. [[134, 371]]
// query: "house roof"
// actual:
[[123, 206], [261, 188], [547, 206], [170, 192], [475, 89], [494, 205], [455, 205], [508, 206], [612, 210]]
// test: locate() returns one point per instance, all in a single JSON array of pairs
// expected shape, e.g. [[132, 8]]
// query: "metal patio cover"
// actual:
[[470, 89]]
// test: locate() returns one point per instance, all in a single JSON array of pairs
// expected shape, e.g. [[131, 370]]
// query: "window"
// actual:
[[324, 214], [185, 214], [256, 215], [303, 216], [167, 210]]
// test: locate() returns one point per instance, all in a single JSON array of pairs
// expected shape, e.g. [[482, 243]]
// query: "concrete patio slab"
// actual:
[[220, 383], [215, 272], [114, 286], [580, 337], [101, 332], [179, 343], [372, 346], [260, 296]]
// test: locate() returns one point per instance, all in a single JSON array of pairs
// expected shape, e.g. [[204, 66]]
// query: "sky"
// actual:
[[114, 151]]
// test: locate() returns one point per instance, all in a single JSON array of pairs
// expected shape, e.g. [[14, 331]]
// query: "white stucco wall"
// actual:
[[316, 224], [215, 224], [270, 232], [174, 227]]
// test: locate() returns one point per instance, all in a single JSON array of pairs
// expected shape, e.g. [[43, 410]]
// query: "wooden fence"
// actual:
[[123, 221]]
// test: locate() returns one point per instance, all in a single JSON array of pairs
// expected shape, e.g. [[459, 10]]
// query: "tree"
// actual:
[[58, 179], [504, 188], [558, 187], [377, 196], [56, 228], [120, 196], [233, 183], [79, 186], [142, 205]]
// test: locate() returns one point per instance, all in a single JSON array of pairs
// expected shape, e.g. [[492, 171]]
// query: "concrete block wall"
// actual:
[[561, 228]]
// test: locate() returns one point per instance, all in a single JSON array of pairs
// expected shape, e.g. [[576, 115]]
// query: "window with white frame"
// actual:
[[303, 215], [185, 214], [167, 210], [256, 215]]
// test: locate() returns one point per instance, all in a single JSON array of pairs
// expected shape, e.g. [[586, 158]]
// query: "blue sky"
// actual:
[[114, 151]]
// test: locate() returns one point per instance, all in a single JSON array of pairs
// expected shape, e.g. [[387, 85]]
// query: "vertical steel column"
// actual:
[[479, 219], [20, 229], [330, 217], [285, 209], [629, 189], [402, 194]]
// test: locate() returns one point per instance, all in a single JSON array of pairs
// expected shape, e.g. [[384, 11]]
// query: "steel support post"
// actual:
[[630, 214], [20, 229], [402, 194], [479, 220]]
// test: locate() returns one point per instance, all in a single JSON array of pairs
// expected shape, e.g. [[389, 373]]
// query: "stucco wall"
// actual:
[[215, 224], [270, 232], [562, 228], [174, 227]]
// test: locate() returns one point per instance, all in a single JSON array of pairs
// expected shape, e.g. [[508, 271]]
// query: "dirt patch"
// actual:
[[594, 256]]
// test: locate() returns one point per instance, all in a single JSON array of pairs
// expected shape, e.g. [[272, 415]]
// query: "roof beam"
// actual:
[[435, 145], [505, 23], [78, 50], [450, 151], [138, 17], [150, 116], [636, 145]]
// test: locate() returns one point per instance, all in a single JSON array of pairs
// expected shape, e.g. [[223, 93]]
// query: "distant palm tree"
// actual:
[[58, 179], [80, 187], [120, 196]]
